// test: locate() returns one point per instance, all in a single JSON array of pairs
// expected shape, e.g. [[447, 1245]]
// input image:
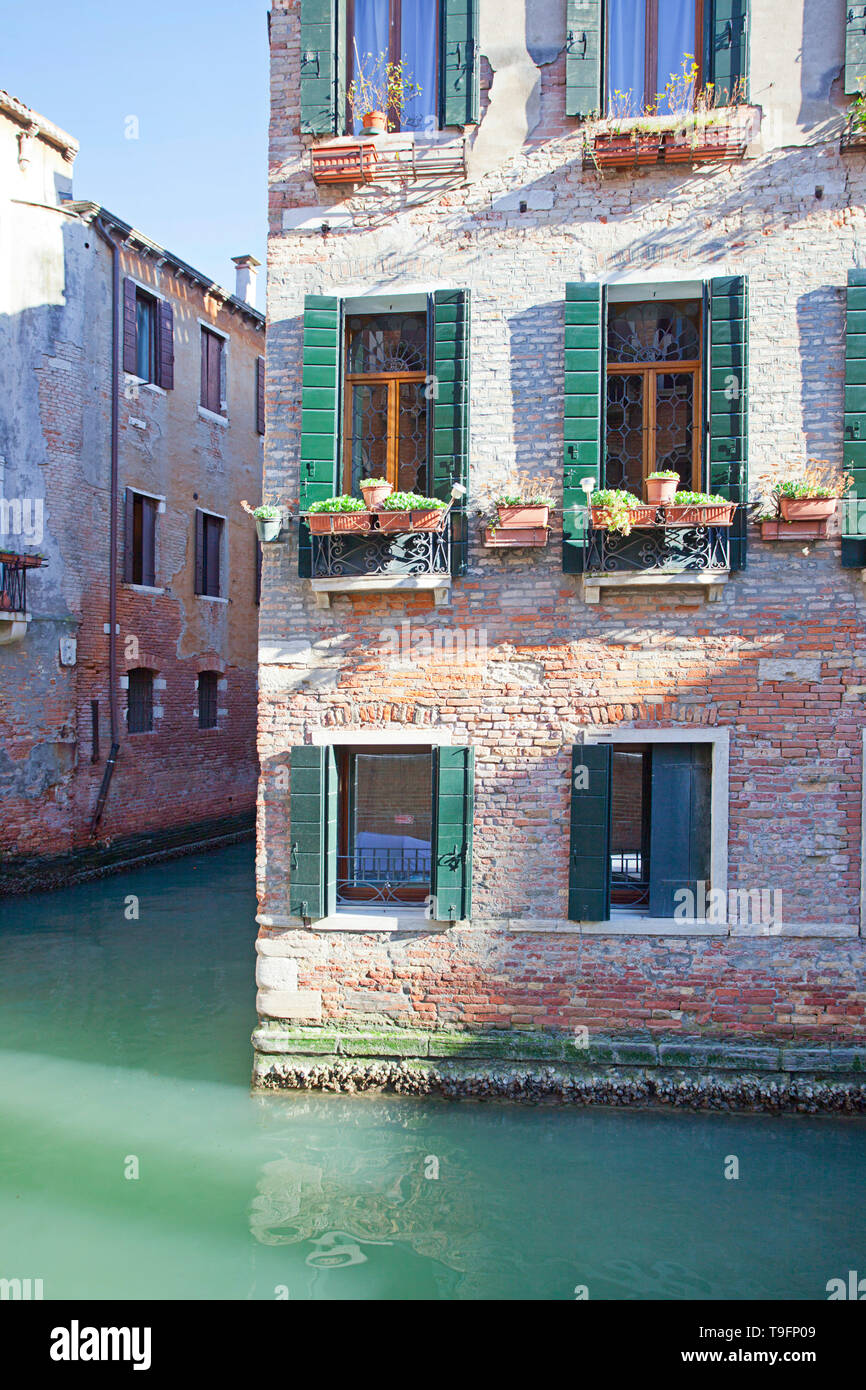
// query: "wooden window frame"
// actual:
[[393, 382], [410, 893], [202, 576], [649, 370], [210, 334], [152, 304], [395, 45], [651, 35]]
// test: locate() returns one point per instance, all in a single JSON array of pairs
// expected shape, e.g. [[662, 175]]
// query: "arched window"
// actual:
[[139, 702]]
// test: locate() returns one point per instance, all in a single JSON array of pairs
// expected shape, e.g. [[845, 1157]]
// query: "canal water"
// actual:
[[134, 1163]]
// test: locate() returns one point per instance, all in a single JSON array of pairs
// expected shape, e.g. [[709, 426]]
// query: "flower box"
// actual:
[[626, 149], [430, 520], [514, 537], [772, 530], [696, 514], [350, 163], [691, 146], [521, 515], [602, 517], [807, 508], [25, 562], [323, 523]]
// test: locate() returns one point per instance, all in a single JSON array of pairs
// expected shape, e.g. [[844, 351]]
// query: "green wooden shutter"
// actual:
[[320, 409], [313, 832], [583, 50], [585, 310], [450, 329], [854, 434], [726, 48], [855, 47], [459, 91], [589, 854], [318, 66], [453, 810], [726, 399], [679, 823]]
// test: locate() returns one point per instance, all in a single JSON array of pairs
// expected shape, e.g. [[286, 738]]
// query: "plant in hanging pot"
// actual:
[[375, 490], [811, 495], [524, 506], [268, 519], [342, 513], [379, 91], [409, 511], [660, 487]]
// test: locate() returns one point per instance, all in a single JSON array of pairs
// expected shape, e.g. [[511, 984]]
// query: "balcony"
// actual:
[[352, 160], [382, 562], [14, 617], [660, 554], [648, 141]]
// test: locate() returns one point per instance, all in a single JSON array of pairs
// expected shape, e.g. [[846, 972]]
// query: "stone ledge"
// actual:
[[710, 584]]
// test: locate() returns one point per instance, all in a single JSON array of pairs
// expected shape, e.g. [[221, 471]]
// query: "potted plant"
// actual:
[[810, 497], [342, 513], [375, 490], [700, 509], [379, 91], [524, 506], [660, 487], [269, 522], [614, 509], [409, 511]]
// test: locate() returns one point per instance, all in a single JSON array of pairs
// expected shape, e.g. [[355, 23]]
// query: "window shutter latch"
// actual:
[[856, 13], [574, 45], [293, 861], [854, 430], [308, 58]]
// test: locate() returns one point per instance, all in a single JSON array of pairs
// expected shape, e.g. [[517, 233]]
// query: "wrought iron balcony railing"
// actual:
[[13, 582], [655, 549], [360, 555], [383, 875]]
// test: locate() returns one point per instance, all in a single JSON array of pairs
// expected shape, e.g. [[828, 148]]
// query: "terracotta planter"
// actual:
[[624, 151], [323, 523], [701, 514], [5, 602], [513, 537], [375, 122], [691, 147], [411, 521], [660, 492], [807, 508], [793, 530], [374, 494], [523, 515], [344, 163]]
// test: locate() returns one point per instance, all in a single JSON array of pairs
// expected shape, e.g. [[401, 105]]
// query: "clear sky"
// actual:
[[195, 75]]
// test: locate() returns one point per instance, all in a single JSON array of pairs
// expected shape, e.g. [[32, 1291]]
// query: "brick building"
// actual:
[[113, 749], [530, 810]]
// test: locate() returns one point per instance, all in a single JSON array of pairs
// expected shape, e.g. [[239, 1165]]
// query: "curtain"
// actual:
[[625, 65], [370, 41], [676, 40], [418, 33]]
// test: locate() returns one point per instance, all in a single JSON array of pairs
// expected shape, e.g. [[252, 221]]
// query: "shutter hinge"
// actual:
[[852, 15], [293, 858], [573, 43], [310, 56]]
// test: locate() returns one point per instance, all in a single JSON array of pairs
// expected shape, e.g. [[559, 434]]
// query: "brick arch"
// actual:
[[210, 663], [144, 659]]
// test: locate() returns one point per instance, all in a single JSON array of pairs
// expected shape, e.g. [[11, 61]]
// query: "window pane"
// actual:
[[387, 343], [412, 438], [675, 413], [629, 828], [676, 41], [370, 43], [145, 341], [626, 55], [624, 462], [418, 39], [368, 440], [648, 332], [390, 823]]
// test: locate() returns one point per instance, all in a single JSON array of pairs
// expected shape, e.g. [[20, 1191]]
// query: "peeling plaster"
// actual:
[[506, 30]]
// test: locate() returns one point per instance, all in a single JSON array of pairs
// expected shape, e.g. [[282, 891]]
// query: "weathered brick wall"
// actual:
[[792, 218]]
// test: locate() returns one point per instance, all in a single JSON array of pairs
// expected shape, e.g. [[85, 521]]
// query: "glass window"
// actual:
[[647, 41], [386, 405], [393, 31], [385, 825], [145, 336]]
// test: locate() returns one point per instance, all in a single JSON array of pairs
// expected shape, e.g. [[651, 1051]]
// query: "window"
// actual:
[[148, 336], [385, 431], [653, 392], [207, 699], [647, 41], [385, 815], [391, 31], [213, 372], [139, 566], [139, 705], [260, 395], [208, 548], [642, 815]]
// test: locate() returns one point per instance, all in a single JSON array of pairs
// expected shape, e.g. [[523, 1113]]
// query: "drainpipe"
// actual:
[[112, 525]]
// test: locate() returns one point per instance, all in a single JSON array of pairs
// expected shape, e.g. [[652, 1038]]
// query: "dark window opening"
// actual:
[[207, 699], [385, 830], [390, 31], [660, 823], [208, 548], [140, 566], [653, 393], [648, 42], [213, 372], [145, 336], [139, 706], [386, 404]]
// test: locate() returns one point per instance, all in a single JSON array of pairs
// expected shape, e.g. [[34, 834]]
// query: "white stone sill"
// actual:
[[212, 416], [413, 920], [212, 598], [143, 588], [437, 584], [711, 583]]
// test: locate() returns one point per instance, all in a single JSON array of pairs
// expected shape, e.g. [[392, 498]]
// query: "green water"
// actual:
[[128, 1040]]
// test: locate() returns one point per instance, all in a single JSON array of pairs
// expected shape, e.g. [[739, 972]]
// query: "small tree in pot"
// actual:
[[379, 91]]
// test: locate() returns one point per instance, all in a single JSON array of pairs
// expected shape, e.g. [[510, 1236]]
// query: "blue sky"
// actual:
[[195, 75]]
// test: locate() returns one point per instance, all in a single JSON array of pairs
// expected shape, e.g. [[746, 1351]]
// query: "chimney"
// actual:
[[246, 270]]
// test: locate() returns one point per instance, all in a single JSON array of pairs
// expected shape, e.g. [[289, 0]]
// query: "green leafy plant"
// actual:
[[618, 504], [344, 503], [379, 85], [265, 512], [857, 109], [524, 499], [410, 502], [664, 473], [699, 499], [818, 479], [373, 482]]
